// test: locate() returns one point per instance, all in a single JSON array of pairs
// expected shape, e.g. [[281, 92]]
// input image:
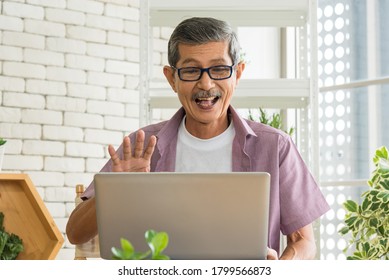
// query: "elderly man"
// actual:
[[207, 135]]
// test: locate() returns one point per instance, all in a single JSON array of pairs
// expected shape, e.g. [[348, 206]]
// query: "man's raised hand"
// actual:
[[139, 161]]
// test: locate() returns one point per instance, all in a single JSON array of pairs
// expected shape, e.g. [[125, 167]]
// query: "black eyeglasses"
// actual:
[[192, 74]]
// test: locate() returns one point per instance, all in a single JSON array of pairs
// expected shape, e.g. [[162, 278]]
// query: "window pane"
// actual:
[[384, 37], [346, 50], [385, 115], [353, 124], [353, 45]]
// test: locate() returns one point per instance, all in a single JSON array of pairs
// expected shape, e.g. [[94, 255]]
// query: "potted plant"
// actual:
[[368, 222], [10, 244], [274, 120], [157, 241], [2, 143]]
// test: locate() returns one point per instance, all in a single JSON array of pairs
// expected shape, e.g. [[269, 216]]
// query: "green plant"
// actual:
[[157, 241], [274, 121], [10, 244], [369, 221], [2, 141]]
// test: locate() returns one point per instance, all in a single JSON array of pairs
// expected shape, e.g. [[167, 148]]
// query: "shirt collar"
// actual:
[[169, 131]]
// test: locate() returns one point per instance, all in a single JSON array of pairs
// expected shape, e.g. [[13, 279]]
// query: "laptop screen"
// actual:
[[206, 215]]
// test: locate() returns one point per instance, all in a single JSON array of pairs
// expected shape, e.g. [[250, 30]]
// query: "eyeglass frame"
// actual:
[[202, 70]]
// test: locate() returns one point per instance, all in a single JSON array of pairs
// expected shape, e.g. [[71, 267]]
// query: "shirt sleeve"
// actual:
[[301, 200]]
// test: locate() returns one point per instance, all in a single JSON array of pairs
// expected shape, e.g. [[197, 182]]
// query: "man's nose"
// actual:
[[205, 81]]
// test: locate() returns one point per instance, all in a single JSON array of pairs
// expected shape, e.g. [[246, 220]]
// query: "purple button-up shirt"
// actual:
[[295, 198]]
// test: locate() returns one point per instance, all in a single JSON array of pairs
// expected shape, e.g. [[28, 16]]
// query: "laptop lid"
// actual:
[[206, 215]]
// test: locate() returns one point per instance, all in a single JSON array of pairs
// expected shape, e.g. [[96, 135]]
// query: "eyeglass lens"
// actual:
[[215, 72]]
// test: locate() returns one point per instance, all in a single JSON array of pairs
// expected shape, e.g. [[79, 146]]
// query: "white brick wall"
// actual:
[[44, 57], [66, 45], [26, 40], [11, 53], [25, 70], [23, 11], [23, 100], [65, 16], [45, 87], [69, 73], [89, 7]]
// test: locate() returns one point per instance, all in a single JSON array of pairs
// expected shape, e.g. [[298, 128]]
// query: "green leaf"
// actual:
[[264, 118], [381, 230], [3, 241], [351, 221], [372, 253], [385, 175], [351, 206], [141, 256], [353, 258], [159, 243], [1, 221], [164, 257], [366, 204], [149, 235], [127, 246], [273, 121], [250, 116], [359, 224], [373, 222], [385, 198], [161, 257], [385, 185], [366, 247], [10, 244], [375, 206], [125, 253], [382, 152], [344, 230], [367, 214], [373, 194], [117, 254], [369, 221]]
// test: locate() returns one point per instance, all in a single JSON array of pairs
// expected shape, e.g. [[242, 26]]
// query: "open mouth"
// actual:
[[205, 99], [206, 102]]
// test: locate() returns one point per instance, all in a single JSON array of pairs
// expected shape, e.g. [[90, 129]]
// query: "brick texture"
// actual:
[[69, 74]]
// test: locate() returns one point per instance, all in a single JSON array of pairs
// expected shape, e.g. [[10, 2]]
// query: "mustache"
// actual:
[[206, 94]]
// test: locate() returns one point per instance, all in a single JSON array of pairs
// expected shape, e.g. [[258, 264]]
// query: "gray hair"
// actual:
[[202, 30]]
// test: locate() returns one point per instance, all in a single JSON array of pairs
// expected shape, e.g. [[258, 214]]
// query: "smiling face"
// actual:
[[205, 101]]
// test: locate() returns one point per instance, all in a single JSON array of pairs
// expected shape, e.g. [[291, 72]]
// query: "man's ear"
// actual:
[[169, 74], [239, 71]]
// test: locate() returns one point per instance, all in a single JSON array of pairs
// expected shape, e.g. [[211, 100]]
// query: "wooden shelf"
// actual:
[[26, 215]]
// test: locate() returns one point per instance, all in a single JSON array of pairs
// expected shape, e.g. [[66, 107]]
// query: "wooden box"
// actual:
[[26, 215]]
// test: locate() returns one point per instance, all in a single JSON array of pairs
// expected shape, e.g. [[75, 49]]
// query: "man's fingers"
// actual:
[[126, 148], [139, 144], [150, 148], [131, 161], [272, 254], [114, 156]]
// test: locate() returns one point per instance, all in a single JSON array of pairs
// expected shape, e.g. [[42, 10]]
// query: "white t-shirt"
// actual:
[[204, 155]]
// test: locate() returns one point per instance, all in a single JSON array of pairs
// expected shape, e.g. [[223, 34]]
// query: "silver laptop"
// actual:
[[206, 215]]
